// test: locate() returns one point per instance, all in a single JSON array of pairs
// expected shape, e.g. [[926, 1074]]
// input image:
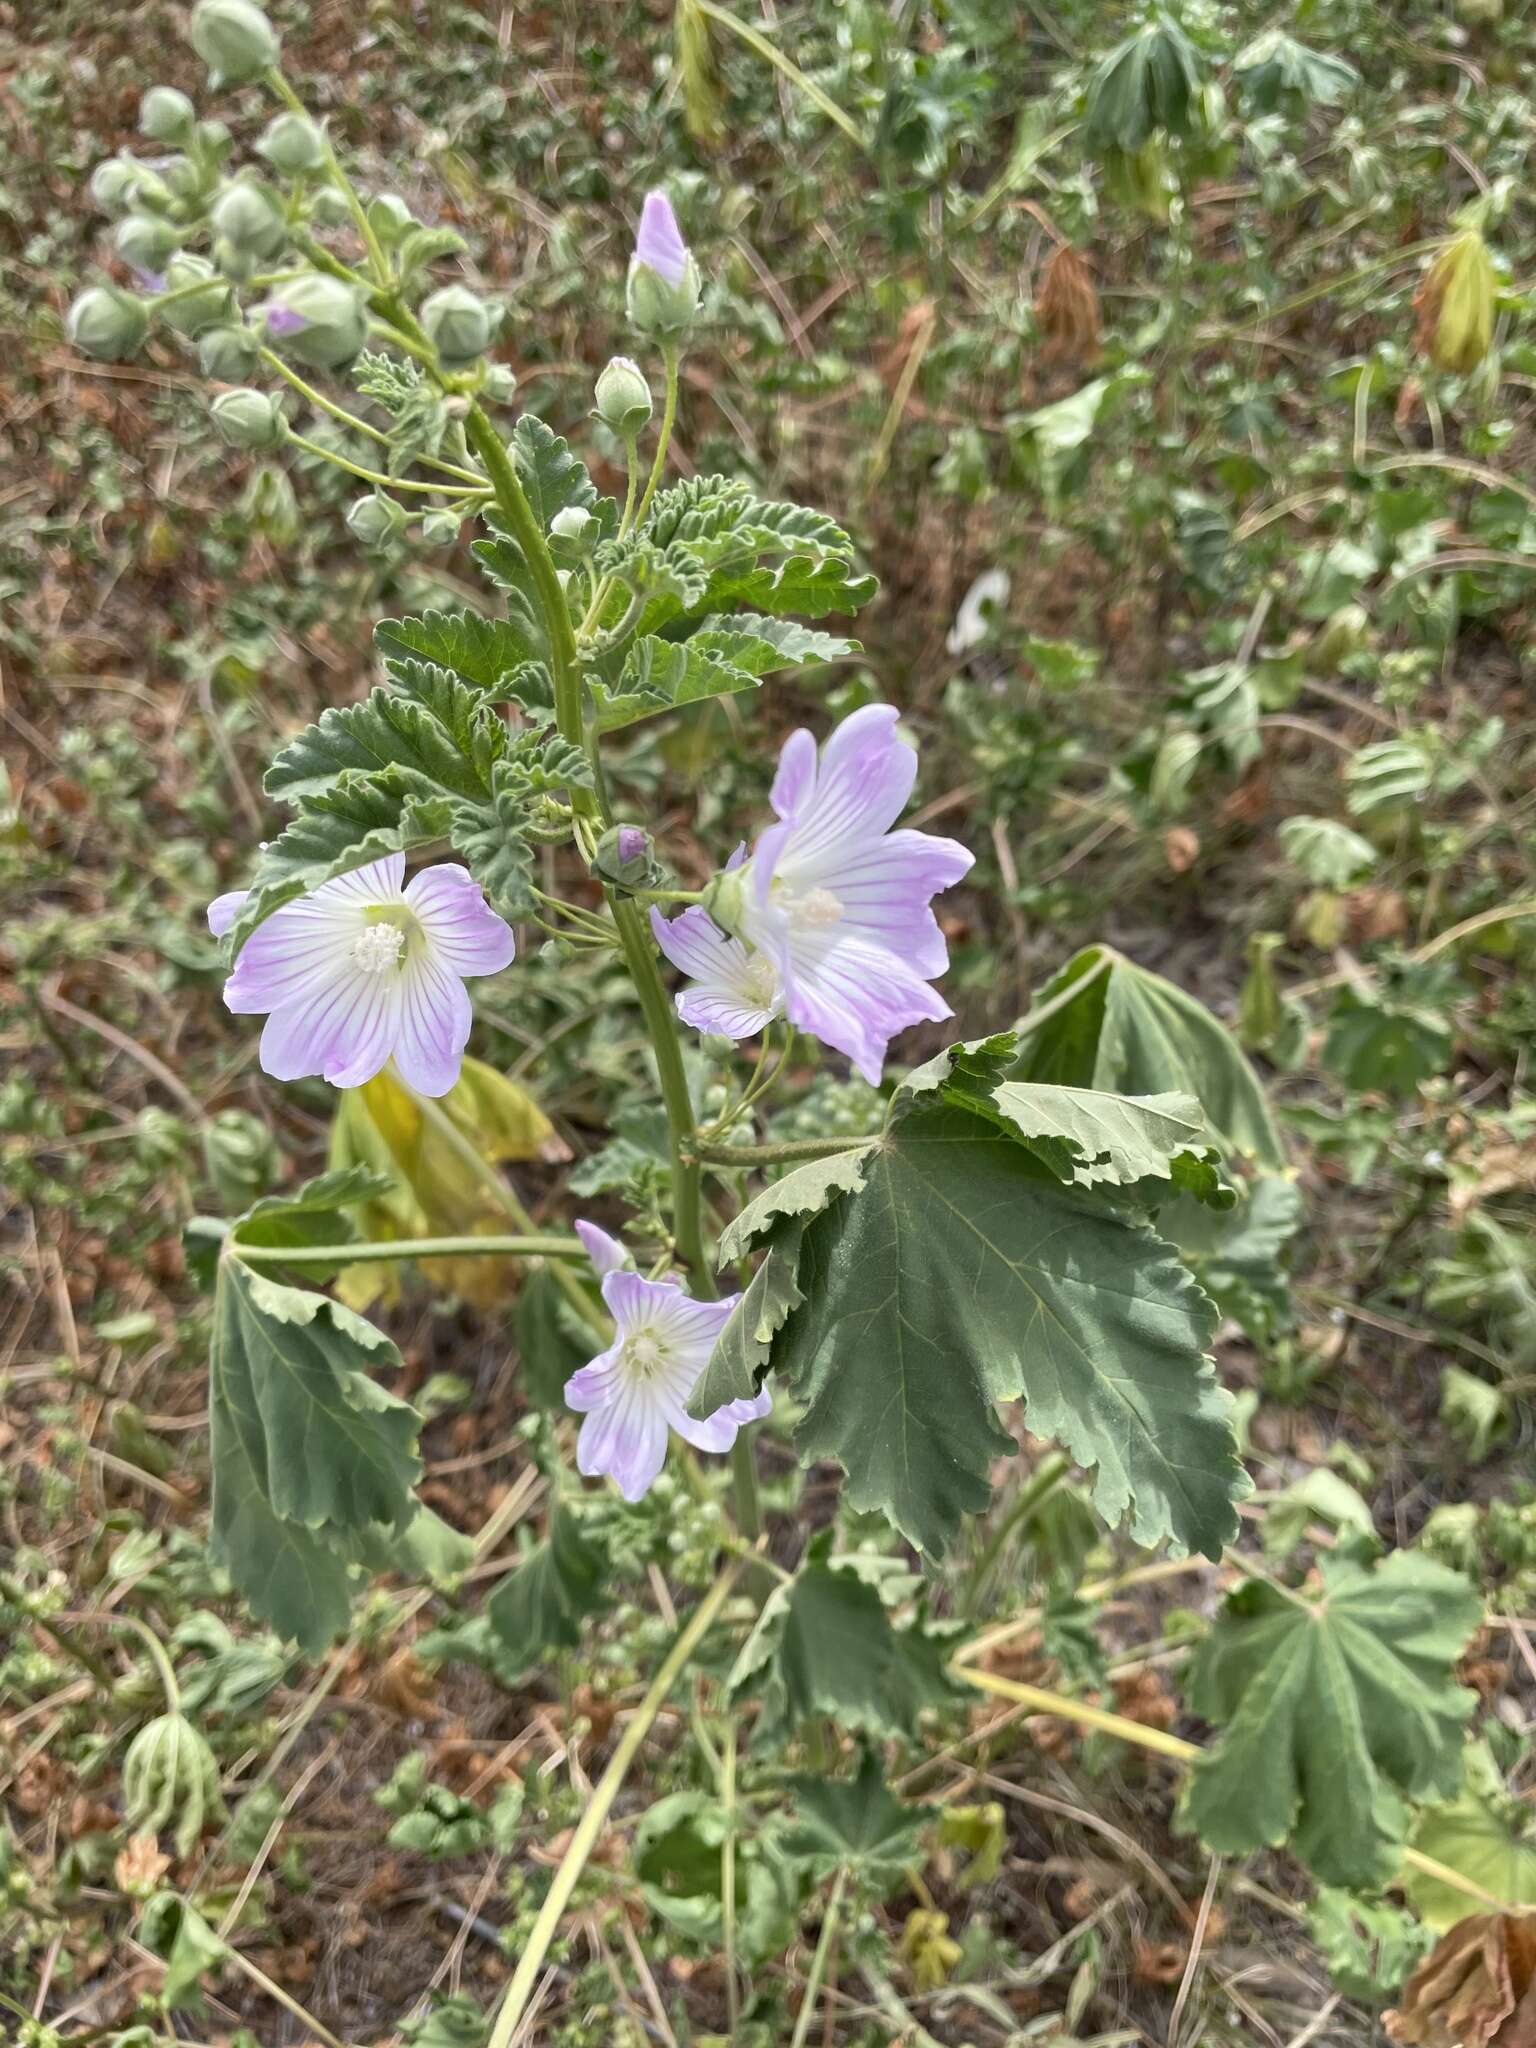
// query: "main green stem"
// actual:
[[629, 921], [373, 1250]]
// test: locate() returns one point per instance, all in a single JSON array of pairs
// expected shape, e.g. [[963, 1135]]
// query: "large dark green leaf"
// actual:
[[942, 1268], [1333, 1713]]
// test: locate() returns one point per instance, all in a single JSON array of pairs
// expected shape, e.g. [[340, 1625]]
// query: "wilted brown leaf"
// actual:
[[140, 1867], [1067, 309], [1475, 1989]]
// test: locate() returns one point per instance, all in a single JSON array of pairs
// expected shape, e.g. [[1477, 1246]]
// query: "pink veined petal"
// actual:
[[626, 1440], [433, 1024], [463, 929], [795, 782], [689, 1330], [692, 941], [863, 781], [605, 1252], [595, 1385], [885, 888], [381, 881], [223, 910], [345, 1027], [750, 1409], [715, 1432], [855, 996], [659, 244], [633, 1301], [294, 953], [772, 846], [722, 1016]]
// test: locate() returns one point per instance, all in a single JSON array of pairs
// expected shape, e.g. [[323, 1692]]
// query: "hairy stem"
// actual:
[[594, 1819], [673, 362], [790, 1152]]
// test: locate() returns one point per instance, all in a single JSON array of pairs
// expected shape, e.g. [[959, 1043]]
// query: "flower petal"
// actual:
[[596, 1383], [863, 780], [633, 1301], [722, 1016], [605, 1252], [344, 1030], [433, 1025], [727, 995], [626, 1440], [294, 953], [855, 996], [885, 887], [659, 244], [461, 926], [223, 910], [795, 783]]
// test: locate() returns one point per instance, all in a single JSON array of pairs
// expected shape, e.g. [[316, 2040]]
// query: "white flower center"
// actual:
[[643, 1354], [762, 983], [378, 948], [817, 908]]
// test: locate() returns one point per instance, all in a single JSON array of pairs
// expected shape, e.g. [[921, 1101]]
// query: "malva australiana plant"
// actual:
[[1011, 1232]]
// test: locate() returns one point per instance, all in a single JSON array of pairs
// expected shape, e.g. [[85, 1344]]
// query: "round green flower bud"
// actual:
[[440, 528], [107, 323], [213, 139], [458, 325], [114, 184], [317, 320], [248, 419], [499, 383], [184, 185], [623, 398], [390, 218], [626, 857], [226, 354], [292, 143], [234, 39], [235, 264], [375, 520], [575, 525], [145, 242], [199, 310], [166, 115], [249, 217]]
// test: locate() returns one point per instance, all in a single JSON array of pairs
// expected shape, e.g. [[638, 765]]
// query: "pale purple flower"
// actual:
[[832, 910], [367, 969], [734, 993], [283, 320], [631, 842], [659, 245], [639, 1388]]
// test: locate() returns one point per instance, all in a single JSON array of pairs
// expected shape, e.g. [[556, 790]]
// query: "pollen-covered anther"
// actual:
[[378, 948]]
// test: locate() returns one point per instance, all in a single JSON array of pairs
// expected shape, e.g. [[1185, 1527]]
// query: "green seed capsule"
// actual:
[[166, 115], [107, 323], [248, 419]]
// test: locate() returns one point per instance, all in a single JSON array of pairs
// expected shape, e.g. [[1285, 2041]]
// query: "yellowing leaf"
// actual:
[[1478, 1836], [433, 1192]]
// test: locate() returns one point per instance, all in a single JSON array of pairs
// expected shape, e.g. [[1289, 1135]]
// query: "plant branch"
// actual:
[[371, 1250]]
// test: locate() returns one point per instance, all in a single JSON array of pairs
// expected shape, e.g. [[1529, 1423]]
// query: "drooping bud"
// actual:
[[1067, 309], [664, 284], [292, 144], [169, 1774], [498, 385], [626, 857], [107, 323], [192, 315], [166, 115], [226, 354], [458, 325], [249, 216], [114, 183], [1455, 305], [145, 242], [234, 39], [318, 320], [248, 419], [623, 398], [375, 520]]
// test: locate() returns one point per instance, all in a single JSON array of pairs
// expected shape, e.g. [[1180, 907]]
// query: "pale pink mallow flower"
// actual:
[[366, 969], [832, 910], [733, 992], [659, 243], [637, 1390]]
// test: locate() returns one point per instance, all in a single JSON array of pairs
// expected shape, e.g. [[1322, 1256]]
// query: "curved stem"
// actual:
[[374, 476], [319, 400], [593, 1820], [151, 1642], [672, 360], [377, 260], [409, 1248], [819, 1960]]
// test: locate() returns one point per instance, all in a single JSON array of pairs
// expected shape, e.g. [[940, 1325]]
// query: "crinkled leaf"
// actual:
[[1275, 66], [1145, 85], [1128, 1029], [306, 1449], [551, 474], [762, 645], [433, 730], [855, 1824], [664, 675], [943, 1270], [1332, 1714], [739, 1361], [541, 1604], [1369, 1945], [481, 652], [826, 1644]]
